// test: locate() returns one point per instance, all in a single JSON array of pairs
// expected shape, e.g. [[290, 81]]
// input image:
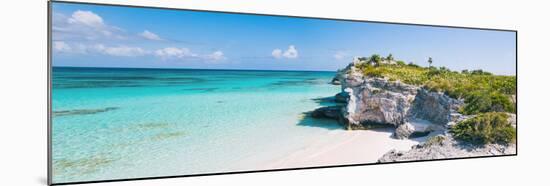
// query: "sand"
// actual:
[[342, 147]]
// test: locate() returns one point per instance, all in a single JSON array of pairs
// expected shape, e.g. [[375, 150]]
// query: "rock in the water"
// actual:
[[331, 112], [82, 111]]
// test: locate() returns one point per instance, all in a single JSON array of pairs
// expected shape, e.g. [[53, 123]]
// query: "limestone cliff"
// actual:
[[379, 101]]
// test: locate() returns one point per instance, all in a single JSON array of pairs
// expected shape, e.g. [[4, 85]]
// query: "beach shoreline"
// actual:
[[343, 147]]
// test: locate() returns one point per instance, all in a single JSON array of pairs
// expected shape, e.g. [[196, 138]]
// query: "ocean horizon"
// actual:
[[213, 69]]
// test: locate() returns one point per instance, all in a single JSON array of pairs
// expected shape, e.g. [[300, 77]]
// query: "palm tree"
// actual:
[[430, 61]]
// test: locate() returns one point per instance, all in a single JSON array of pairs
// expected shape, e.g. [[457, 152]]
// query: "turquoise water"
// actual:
[[113, 123]]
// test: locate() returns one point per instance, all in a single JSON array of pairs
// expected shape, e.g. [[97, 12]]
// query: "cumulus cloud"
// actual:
[[124, 51], [172, 52], [61, 46], [132, 51], [277, 53], [83, 25], [150, 35], [64, 47], [290, 53], [78, 48], [216, 56], [86, 18]]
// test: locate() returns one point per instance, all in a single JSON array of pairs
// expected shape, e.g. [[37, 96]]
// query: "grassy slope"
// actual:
[[482, 91]]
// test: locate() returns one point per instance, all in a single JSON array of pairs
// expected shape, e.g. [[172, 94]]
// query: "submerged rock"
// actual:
[[82, 111]]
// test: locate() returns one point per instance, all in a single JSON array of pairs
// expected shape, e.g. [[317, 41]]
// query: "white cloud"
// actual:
[[150, 35], [79, 48], [340, 55], [64, 47], [277, 53], [83, 25], [86, 18], [61, 46], [290, 53], [172, 52], [217, 55], [124, 51]]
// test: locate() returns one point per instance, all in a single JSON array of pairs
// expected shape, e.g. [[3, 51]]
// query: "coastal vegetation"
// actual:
[[482, 91], [491, 127], [487, 97]]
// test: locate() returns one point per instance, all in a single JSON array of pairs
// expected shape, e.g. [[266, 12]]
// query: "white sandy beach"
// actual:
[[342, 147]]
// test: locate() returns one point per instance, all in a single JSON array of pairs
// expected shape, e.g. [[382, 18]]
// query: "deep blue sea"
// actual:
[[115, 123]]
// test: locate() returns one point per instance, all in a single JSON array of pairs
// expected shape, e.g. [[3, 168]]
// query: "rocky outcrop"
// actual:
[[444, 146], [368, 102], [375, 101]]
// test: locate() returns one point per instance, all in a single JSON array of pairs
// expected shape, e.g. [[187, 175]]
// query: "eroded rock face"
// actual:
[[372, 100], [435, 106], [376, 100]]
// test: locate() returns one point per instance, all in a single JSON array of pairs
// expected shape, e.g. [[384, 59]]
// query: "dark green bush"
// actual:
[[479, 102], [480, 72], [486, 128], [401, 63], [411, 64]]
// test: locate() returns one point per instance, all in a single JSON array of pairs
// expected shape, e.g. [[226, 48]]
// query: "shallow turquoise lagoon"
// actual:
[[111, 123]]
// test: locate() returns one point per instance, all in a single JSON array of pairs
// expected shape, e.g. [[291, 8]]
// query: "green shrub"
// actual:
[[480, 72], [401, 63], [411, 64], [479, 102], [492, 127]]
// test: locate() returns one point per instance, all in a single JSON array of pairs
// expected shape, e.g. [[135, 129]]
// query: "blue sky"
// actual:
[[106, 36]]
